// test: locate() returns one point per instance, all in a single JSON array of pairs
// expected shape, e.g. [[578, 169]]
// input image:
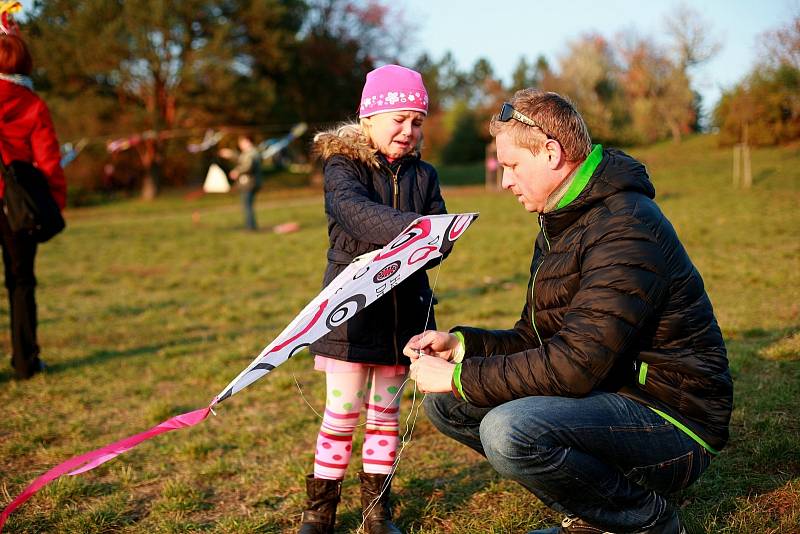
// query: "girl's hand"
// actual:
[[432, 343]]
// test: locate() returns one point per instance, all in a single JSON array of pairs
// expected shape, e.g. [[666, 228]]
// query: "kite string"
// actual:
[[400, 389], [409, 431]]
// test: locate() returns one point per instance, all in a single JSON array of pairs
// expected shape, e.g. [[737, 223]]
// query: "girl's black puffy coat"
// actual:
[[614, 304], [368, 203]]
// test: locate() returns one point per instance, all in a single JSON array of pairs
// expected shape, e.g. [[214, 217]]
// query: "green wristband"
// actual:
[[457, 381], [461, 349]]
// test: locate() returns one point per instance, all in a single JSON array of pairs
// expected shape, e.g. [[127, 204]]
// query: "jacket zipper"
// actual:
[[395, 205], [533, 283]]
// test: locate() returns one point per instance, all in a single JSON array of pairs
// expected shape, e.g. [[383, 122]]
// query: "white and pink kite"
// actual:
[[364, 281]]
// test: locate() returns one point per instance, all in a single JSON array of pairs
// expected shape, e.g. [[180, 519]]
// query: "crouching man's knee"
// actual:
[[503, 440]]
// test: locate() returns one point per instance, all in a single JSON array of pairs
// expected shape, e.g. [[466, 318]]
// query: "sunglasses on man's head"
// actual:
[[507, 112]]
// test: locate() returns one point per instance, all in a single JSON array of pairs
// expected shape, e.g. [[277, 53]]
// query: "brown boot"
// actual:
[[320, 513], [375, 504]]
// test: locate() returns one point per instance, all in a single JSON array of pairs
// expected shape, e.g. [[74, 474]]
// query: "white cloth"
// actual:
[[216, 180]]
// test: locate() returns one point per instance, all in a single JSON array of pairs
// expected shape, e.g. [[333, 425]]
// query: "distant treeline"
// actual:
[[110, 69]]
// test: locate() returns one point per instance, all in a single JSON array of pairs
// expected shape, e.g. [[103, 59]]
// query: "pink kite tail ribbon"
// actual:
[[90, 460]]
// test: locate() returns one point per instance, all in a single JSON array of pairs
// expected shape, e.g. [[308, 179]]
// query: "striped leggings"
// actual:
[[346, 393]]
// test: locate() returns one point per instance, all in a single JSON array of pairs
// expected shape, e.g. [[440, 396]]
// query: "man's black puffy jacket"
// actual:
[[614, 304], [368, 203]]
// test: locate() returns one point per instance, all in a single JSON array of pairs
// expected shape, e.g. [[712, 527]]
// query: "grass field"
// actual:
[[149, 310]]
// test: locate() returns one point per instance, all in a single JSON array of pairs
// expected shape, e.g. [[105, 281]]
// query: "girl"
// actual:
[[375, 185]]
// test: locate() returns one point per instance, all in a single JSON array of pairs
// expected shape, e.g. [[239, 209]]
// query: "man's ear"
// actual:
[[555, 154]]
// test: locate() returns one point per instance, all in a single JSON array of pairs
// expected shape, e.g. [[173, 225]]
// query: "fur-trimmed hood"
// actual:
[[348, 140]]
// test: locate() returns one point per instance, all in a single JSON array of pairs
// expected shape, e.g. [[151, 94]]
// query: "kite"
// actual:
[[271, 147], [361, 283], [69, 151], [210, 139]]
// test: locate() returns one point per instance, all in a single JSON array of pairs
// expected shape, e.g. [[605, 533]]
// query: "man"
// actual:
[[247, 175], [613, 389]]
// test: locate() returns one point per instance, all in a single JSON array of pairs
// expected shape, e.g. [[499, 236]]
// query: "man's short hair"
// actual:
[[558, 118]]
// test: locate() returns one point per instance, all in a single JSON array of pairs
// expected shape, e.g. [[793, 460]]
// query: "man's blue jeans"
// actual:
[[248, 198], [604, 458]]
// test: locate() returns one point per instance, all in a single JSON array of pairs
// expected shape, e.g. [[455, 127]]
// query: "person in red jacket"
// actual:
[[26, 134]]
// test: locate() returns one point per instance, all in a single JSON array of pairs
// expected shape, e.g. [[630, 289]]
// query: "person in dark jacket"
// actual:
[[375, 186], [247, 174], [613, 388], [26, 134]]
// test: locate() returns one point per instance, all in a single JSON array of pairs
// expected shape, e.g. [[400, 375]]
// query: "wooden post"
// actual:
[[742, 170], [747, 175]]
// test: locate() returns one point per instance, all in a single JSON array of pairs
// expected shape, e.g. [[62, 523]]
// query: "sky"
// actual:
[[504, 30]]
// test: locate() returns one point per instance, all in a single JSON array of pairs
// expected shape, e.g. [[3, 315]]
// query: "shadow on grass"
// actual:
[[105, 355], [763, 175], [448, 495], [6, 376]]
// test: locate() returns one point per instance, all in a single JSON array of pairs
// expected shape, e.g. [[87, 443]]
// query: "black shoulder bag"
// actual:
[[28, 203]]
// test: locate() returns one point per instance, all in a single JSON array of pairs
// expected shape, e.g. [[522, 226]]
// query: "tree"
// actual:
[[467, 143], [661, 100], [588, 75], [764, 109], [448, 87], [456, 130], [445, 82], [114, 68], [167, 63], [339, 43], [765, 106], [781, 46], [528, 75], [692, 42]]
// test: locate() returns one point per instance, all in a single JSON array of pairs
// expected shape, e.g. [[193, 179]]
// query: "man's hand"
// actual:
[[432, 374], [432, 343]]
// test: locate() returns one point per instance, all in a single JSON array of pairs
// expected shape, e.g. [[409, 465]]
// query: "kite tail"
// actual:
[[90, 460]]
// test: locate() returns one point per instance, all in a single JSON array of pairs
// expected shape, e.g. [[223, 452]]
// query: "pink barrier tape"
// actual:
[[91, 459]]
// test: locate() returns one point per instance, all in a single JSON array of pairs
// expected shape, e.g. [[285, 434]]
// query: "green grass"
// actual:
[[149, 310]]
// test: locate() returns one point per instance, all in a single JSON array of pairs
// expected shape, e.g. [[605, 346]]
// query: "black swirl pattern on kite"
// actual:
[[346, 309], [297, 349], [454, 231], [361, 272]]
